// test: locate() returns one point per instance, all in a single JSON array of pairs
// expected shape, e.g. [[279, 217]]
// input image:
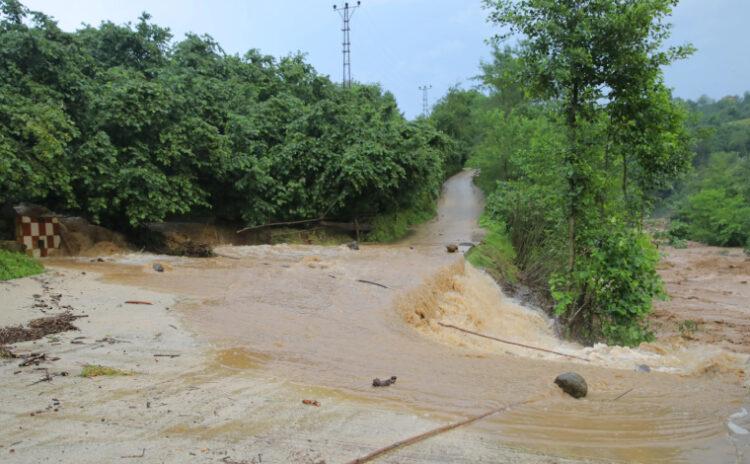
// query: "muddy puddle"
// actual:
[[313, 316]]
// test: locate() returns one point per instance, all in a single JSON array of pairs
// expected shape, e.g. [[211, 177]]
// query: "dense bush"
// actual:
[[714, 204], [576, 134], [123, 125], [611, 287]]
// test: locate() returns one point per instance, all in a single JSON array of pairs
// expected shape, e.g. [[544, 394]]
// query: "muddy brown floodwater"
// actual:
[[303, 313]]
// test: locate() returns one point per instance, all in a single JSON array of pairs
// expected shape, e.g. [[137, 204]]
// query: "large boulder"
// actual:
[[573, 384], [81, 238]]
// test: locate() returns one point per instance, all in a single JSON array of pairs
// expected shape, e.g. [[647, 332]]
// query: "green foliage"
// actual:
[[717, 218], [17, 265], [395, 225], [580, 151], [720, 126], [716, 207], [612, 286], [121, 124]]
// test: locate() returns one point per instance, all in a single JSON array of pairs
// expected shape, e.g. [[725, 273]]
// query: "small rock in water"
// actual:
[[158, 267], [384, 383], [452, 248], [353, 246], [642, 368], [572, 384]]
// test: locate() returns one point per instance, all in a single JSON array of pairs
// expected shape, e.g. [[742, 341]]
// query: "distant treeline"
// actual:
[[125, 126], [713, 205]]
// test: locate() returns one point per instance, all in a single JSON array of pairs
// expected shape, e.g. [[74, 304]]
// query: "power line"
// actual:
[[425, 99], [346, 14]]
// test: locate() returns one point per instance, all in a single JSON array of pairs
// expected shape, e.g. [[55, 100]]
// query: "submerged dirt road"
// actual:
[[258, 333]]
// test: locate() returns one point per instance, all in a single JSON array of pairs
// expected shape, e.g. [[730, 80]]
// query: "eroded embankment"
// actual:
[[461, 296], [676, 412]]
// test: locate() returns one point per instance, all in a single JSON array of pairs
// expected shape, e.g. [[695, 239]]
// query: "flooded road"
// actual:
[[336, 318]]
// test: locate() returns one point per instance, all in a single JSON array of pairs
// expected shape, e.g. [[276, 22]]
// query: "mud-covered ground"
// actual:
[[709, 296], [220, 361]]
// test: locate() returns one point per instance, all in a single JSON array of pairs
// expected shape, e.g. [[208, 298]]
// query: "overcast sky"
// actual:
[[406, 43]]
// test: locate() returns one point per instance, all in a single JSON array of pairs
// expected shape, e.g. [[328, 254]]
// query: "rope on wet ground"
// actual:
[[508, 342], [446, 428]]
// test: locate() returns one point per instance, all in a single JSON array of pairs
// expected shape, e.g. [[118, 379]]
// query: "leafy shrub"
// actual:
[[678, 243], [717, 217], [16, 265], [678, 230], [716, 205], [609, 294]]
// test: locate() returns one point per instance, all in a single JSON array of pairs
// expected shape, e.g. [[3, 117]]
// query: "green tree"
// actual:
[[598, 63]]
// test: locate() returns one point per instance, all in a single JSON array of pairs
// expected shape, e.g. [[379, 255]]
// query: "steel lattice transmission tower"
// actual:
[[425, 99], [346, 12]]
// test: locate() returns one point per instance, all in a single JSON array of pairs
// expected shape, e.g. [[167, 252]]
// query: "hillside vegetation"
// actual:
[[713, 205], [125, 126], [575, 133]]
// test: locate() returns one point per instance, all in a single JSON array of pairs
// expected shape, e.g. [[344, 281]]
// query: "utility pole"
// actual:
[[346, 14], [425, 99]]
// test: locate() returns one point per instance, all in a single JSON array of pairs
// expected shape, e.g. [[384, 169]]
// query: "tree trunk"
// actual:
[[572, 121]]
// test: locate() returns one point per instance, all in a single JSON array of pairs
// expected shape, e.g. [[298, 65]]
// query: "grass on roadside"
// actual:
[[495, 254], [17, 265], [95, 370], [391, 227]]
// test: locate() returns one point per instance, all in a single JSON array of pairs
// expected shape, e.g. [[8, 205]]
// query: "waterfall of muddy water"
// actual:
[[301, 313]]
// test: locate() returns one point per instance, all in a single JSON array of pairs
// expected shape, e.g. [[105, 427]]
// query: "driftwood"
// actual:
[[134, 456], [348, 226], [424, 436], [623, 394], [275, 224], [450, 326], [290, 223], [370, 283]]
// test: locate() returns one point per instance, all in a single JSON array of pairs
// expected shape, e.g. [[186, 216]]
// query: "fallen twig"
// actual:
[[371, 283], [623, 394], [227, 256], [46, 378], [450, 326], [434, 432], [166, 355], [291, 223], [33, 359], [132, 456], [138, 303]]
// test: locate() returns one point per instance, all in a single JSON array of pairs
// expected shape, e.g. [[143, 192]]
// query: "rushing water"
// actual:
[[312, 315]]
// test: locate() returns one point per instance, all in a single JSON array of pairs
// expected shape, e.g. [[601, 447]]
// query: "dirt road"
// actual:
[[260, 332]]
